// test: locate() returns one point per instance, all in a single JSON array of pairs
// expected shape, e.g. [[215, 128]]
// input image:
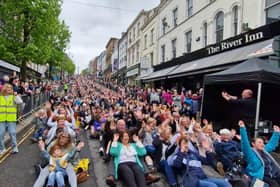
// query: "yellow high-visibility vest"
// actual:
[[8, 109]]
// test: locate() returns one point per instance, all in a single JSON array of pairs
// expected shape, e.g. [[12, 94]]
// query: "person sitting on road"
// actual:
[[126, 159], [64, 141], [260, 164], [227, 149], [191, 161], [60, 123], [40, 123], [58, 162]]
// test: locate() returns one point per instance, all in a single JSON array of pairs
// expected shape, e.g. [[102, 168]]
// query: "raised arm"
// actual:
[[274, 140], [245, 143]]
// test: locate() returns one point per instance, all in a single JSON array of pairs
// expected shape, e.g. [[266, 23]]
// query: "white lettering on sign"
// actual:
[[228, 45], [245, 39], [253, 37]]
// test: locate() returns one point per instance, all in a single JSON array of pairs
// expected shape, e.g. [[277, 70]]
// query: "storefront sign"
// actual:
[[243, 40], [132, 72]]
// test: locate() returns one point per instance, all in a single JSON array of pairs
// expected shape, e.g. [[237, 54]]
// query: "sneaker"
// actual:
[[33, 140], [150, 178], [15, 150], [110, 181], [3, 152], [101, 151]]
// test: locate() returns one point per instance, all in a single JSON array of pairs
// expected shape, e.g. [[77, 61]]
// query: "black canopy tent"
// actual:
[[255, 74]]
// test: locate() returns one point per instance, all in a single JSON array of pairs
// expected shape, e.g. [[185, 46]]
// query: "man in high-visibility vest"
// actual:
[[65, 87], [8, 116]]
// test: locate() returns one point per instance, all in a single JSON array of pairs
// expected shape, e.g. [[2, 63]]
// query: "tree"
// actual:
[[30, 31], [85, 71]]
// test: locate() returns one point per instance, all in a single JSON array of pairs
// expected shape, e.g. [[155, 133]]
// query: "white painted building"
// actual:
[[115, 57], [123, 51], [149, 43], [101, 63], [134, 47], [188, 25]]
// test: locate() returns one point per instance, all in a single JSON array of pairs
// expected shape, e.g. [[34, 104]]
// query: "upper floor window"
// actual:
[[138, 29], [189, 8], [163, 53], [204, 31], [145, 41], [235, 20], [175, 17], [133, 34], [164, 25], [219, 26], [152, 36], [272, 8], [188, 41], [174, 45]]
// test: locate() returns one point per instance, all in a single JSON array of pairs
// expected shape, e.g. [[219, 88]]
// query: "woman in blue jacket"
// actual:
[[126, 160], [260, 164]]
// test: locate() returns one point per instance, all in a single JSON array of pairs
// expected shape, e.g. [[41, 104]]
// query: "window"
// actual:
[[152, 58], [175, 17], [133, 34], [137, 52], [204, 34], [219, 27], [138, 29], [145, 41], [270, 2], [132, 57], [235, 20], [173, 44], [163, 53], [164, 25], [272, 11], [189, 8], [188, 41], [129, 37], [152, 36]]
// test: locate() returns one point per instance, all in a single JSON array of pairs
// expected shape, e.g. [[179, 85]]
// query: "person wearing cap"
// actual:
[[227, 149], [8, 116]]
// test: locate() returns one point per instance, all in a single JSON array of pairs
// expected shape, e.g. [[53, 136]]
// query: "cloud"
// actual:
[[93, 22]]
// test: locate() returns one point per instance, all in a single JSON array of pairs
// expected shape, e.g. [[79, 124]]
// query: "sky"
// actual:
[[93, 22]]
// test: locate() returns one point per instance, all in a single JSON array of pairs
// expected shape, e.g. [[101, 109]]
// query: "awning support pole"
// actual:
[[258, 109]]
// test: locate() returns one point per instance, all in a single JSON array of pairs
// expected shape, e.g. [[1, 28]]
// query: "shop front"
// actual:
[[131, 75], [188, 70]]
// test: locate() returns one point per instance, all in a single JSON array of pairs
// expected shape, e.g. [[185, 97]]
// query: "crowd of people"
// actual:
[[145, 131]]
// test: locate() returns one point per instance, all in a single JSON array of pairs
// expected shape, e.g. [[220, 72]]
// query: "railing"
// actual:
[[31, 103]]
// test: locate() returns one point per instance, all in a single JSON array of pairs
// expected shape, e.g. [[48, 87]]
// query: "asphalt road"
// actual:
[[18, 170]]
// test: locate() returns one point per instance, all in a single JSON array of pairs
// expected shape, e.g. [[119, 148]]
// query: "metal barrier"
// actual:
[[31, 103]]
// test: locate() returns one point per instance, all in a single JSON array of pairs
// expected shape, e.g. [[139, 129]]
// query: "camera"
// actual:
[[265, 127]]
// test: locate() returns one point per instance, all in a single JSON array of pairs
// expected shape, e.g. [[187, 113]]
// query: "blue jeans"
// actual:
[[150, 149], [57, 176], [168, 172], [214, 182], [39, 133], [11, 126]]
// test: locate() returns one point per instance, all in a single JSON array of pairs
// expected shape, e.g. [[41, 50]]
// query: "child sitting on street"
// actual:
[[58, 162], [40, 123]]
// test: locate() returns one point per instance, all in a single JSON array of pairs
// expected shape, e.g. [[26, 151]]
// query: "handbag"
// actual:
[[258, 183]]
